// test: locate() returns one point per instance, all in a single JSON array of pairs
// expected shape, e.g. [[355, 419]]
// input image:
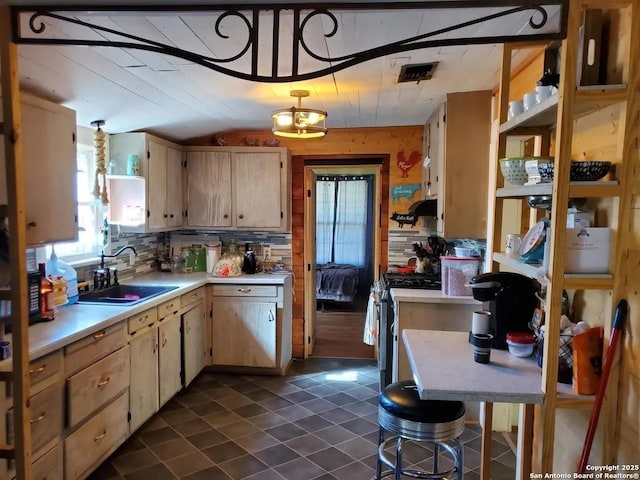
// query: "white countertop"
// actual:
[[417, 295], [76, 321], [443, 369]]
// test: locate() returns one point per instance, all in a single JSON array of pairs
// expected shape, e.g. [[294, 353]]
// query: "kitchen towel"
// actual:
[[371, 321]]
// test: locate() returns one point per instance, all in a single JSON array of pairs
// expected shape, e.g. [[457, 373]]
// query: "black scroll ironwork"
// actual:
[[250, 17]]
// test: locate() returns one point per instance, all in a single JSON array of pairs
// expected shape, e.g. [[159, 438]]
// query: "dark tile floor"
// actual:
[[318, 422]]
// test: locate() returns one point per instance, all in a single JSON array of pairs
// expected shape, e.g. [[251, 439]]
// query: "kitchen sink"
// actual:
[[123, 294]]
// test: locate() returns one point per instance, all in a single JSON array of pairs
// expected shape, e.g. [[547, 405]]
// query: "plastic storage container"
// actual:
[[57, 268], [457, 272], [520, 344]]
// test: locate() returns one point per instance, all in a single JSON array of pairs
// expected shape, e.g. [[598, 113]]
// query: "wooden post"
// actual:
[[17, 243]]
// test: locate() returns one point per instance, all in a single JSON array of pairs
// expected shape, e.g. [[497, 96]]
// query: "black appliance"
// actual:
[[386, 331], [512, 300], [33, 292]]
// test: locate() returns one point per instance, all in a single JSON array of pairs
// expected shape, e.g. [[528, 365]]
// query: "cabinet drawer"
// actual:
[[96, 439], [45, 367], [93, 347], [48, 466], [45, 412], [96, 385], [244, 290], [46, 416], [42, 372], [142, 320], [168, 308], [191, 297]]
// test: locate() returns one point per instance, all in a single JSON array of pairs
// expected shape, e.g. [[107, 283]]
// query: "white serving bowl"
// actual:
[[514, 171]]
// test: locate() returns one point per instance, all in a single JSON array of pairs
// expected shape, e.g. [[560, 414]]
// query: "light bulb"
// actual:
[[96, 202], [104, 208], [284, 119]]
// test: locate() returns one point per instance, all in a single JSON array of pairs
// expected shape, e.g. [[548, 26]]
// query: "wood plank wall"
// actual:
[[386, 142], [597, 137]]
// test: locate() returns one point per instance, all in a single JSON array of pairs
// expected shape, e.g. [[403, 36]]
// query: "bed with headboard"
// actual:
[[337, 282]]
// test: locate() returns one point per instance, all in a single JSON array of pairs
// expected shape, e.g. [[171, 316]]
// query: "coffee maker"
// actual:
[[512, 300]]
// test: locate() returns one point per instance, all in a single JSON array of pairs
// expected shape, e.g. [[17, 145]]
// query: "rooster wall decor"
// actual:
[[407, 164]]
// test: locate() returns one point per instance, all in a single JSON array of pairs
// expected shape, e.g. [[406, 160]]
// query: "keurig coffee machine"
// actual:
[[512, 300]]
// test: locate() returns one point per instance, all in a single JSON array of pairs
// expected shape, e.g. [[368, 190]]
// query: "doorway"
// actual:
[[342, 255]]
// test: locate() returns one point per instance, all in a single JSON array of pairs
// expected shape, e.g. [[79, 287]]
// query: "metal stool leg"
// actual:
[[379, 463], [398, 473], [436, 454], [460, 460]]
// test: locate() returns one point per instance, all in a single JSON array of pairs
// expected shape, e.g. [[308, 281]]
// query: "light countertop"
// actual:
[[418, 295], [443, 368], [76, 321]]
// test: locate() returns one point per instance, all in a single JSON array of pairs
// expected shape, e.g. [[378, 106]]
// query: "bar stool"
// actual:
[[403, 414]]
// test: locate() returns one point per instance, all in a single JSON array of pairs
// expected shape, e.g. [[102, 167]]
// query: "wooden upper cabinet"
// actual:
[[209, 189], [49, 163], [234, 187], [151, 201], [460, 133], [258, 189]]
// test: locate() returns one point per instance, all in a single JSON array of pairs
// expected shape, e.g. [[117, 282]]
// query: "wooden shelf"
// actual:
[[568, 399], [573, 281], [544, 114], [606, 188]]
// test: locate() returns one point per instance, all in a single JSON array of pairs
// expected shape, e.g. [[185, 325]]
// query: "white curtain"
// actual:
[[341, 220]]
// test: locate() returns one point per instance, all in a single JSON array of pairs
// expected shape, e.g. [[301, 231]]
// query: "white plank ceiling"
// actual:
[[177, 99]]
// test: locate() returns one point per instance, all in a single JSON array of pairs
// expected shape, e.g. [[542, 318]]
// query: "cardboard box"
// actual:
[[577, 219], [588, 250]]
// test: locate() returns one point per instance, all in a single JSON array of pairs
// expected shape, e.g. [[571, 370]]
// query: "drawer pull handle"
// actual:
[[155, 345], [98, 336], [271, 317], [104, 383], [102, 435], [144, 319], [194, 295], [164, 340], [244, 290], [38, 370], [41, 417]]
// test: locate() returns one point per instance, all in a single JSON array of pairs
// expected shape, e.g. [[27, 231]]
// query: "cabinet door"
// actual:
[[174, 188], [257, 189], [49, 159], [209, 189], [193, 342], [157, 185], [169, 363], [244, 333], [143, 391]]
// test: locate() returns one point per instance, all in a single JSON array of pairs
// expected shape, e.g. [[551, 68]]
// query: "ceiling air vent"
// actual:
[[416, 72]]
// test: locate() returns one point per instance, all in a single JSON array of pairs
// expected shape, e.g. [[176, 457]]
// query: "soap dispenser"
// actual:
[[249, 264]]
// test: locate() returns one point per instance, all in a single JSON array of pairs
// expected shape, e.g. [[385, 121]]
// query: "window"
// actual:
[[90, 216]]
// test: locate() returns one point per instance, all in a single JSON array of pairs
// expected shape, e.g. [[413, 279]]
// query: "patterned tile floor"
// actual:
[[318, 422]]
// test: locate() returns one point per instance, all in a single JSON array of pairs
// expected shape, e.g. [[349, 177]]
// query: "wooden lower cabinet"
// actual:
[[194, 342], [244, 333], [169, 360], [96, 439], [143, 391]]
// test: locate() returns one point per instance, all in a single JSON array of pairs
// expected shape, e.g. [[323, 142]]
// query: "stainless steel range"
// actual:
[[386, 332]]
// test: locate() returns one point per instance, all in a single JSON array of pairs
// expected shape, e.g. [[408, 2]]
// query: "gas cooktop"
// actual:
[[429, 281]]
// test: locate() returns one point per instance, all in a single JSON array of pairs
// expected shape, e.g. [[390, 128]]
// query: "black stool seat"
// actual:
[[401, 399]]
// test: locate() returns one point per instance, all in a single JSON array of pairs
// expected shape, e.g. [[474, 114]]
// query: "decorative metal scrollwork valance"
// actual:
[[297, 28]]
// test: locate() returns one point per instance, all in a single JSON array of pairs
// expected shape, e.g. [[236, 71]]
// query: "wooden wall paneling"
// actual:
[[628, 447]]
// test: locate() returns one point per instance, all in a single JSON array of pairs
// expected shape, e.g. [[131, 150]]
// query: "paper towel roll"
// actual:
[[480, 322]]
